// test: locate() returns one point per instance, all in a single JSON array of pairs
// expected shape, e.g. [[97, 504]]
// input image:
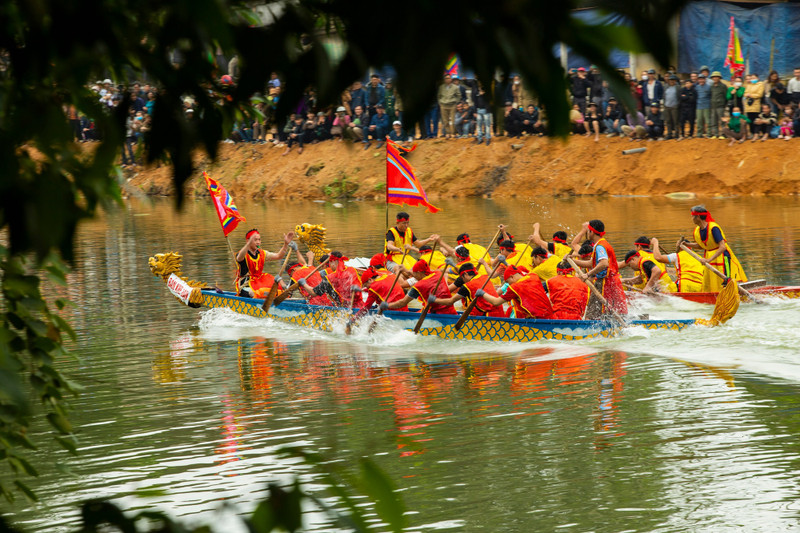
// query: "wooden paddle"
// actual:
[[474, 302], [489, 247], [596, 292], [742, 291], [285, 294], [528, 245], [427, 307], [396, 277], [273, 291]]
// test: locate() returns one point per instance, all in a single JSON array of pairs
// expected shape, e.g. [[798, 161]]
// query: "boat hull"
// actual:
[[475, 328], [767, 290]]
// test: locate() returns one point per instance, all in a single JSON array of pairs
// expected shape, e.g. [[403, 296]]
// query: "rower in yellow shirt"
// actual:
[[559, 245], [689, 270], [544, 265]]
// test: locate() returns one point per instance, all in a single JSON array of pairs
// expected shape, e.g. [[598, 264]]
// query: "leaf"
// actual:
[[59, 422], [69, 443], [26, 491], [377, 485]]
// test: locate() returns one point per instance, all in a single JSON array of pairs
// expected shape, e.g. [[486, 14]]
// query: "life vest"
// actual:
[[664, 282], [729, 266], [380, 289], [400, 242], [561, 249], [260, 282], [452, 272], [569, 296], [435, 260], [612, 285], [476, 252], [526, 260], [531, 301], [547, 269], [690, 273], [482, 307], [647, 255], [425, 287], [313, 280]]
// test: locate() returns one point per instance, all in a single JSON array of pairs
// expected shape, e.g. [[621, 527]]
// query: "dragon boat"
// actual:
[[781, 291], [197, 294]]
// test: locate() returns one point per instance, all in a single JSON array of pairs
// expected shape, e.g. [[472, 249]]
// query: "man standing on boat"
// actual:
[[427, 281], [525, 292], [252, 281], [709, 236], [396, 240], [603, 268]]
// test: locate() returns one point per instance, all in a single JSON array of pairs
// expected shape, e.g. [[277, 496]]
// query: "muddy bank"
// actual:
[[526, 167]]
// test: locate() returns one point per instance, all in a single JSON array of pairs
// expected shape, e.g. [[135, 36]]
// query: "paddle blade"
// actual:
[[273, 292], [726, 306], [285, 294]]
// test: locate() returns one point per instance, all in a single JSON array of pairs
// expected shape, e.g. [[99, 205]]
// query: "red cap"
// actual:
[[368, 275], [511, 270], [421, 266], [377, 260]]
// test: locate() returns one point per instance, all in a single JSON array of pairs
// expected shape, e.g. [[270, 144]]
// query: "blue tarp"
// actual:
[[705, 30], [617, 58]]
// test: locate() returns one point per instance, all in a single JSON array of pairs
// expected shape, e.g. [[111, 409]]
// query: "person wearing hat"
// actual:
[[400, 237], [603, 272], [709, 236], [654, 123], [251, 279], [718, 101], [448, 96], [340, 123], [652, 90], [568, 294], [378, 127], [687, 109], [704, 70], [423, 290], [580, 88], [525, 292], [614, 118], [703, 107], [671, 101], [468, 286], [399, 137], [376, 95]]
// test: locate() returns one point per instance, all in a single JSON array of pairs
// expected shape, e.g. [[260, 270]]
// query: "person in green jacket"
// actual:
[[719, 93], [736, 125], [735, 95]]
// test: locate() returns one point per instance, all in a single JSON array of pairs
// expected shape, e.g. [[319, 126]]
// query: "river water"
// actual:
[[184, 410]]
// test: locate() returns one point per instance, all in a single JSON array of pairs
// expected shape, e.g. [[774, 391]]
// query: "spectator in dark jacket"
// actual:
[[376, 94], [686, 108], [512, 120], [614, 119], [358, 96], [598, 91], [654, 124], [378, 127], [295, 136], [580, 88], [652, 90], [529, 119], [501, 93]]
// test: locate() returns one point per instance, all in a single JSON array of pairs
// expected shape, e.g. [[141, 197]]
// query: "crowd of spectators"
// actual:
[[702, 105]]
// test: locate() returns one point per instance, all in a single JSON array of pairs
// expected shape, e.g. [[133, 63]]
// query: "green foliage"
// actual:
[[30, 345], [341, 188]]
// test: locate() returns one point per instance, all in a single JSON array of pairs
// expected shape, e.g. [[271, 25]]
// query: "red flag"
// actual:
[[229, 216], [402, 186], [734, 60]]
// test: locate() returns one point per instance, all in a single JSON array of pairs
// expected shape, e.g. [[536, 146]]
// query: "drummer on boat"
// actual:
[[251, 280], [396, 240], [709, 236]]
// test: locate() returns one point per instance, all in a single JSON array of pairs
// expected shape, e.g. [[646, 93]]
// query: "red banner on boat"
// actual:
[[402, 186], [229, 216]]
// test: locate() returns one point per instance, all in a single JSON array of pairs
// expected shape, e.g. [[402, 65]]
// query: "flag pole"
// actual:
[[386, 190]]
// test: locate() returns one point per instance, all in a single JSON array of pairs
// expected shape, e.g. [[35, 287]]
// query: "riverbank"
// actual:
[[526, 167]]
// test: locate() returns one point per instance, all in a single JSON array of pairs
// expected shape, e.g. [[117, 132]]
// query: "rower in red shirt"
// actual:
[[466, 286], [568, 294], [525, 292], [426, 281]]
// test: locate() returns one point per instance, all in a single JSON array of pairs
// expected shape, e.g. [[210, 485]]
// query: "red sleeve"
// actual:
[[509, 295]]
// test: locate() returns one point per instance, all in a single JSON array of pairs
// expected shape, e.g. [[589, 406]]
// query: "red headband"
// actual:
[[709, 218], [559, 239], [293, 266], [468, 271], [465, 239], [247, 235], [563, 270], [601, 233]]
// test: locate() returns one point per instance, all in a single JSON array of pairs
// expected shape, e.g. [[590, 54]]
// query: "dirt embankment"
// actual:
[[526, 167]]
